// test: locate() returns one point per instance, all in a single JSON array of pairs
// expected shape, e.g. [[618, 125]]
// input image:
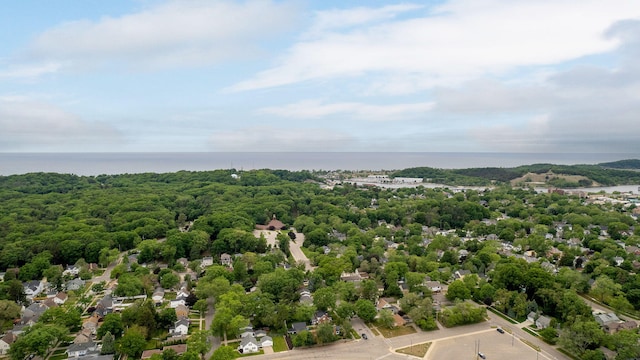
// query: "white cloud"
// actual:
[[456, 42], [29, 71], [268, 138], [311, 109], [39, 126], [344, 18], [176, 33]]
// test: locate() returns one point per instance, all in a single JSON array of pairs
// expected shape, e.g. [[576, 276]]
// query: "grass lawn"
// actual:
[[59, 356], [374, 331], [279, 344], [59, 351], [397, 331], [419, 350], [261, 352], [170, 295]]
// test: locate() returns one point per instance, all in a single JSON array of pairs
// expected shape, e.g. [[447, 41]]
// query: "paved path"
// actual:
[[208, 320], [296, 252]]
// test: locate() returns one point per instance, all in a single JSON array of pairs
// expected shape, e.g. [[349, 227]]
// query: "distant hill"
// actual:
[[622, 172], [622, 164]]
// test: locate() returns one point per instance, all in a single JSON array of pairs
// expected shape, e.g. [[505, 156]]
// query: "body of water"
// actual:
[[121, 163]]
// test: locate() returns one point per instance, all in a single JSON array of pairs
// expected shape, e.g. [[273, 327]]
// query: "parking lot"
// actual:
[[494, 345]]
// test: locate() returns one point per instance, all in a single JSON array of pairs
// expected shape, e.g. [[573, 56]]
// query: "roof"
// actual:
[[299, 326], [179, 348], [9, 338], [148, 353], [248, 340], [81, 346]]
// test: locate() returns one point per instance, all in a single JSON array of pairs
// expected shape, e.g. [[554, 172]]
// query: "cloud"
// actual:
[[313, 109], [39, 126], [31, 71], [268, 138], [176, 33], [586, 108], [455, 42]]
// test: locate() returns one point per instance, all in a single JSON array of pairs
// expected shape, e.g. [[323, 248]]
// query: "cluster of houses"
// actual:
[[252, 341]]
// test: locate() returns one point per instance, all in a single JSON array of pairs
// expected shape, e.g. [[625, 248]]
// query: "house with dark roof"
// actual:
[[297, 327], [32, 288]]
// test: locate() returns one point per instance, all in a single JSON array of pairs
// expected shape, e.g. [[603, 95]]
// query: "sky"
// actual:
[[547, 76]]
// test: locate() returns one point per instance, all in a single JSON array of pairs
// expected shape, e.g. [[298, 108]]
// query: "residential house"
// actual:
[[353, 277], [158, 295], [274, 224], [75, 284], [104, 306], [297, 327], [50, 303], [82, 349], [249, 345], [182, 311], [207, 261], [605, 318], [247, 333], [266, 341], [540, 321], [5, 343], [71, 270], [31, 314], [434, 286], [320, 317], [260, 333], [181, 327], [32, 288], [226, 260], [183, 261], [178, 348], [305, 297], [177, 302], [398, 320], [614, 327], [148, 353], [60, 298], [460, 274], [82, 338], [387, 304], [91, 325]]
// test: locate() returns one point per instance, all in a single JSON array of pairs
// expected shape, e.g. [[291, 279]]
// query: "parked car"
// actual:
[[364, 336], [500, 330], [481, 355]]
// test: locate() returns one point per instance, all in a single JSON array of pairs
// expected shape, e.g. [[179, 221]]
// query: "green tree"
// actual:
[[37, 339], [325, 333], [325, 298], [9, 311], [458, 290], [580, 336], [108, 344], [385, 318], [199, 343], [225, 353], [366, 310], [133, 341], [112, 323]]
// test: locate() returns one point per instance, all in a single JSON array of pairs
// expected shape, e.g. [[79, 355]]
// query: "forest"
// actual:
[[524, 252]]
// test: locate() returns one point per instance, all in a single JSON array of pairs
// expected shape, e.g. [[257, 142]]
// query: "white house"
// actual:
[[266, 341], [225, 259], [60, 298], [33, 288], [176, 302], [75, 284], [181, 327], [249, 345], [71, 270], [207, 261], [158, 295], [81, 349], [5, 343]]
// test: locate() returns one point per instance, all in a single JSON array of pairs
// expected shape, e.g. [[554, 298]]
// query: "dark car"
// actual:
[[500, 330], [364, 336]]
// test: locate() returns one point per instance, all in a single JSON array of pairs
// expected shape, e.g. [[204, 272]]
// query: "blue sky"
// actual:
[[459, 75]]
